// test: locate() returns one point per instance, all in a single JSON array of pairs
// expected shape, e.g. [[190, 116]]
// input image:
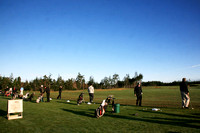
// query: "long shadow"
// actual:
[[73, 102], [196, 114], [164, 113], [32, 101], [146, 106], [128, 105], [173, 122], [177, 120], [3, 113], [82, 113]]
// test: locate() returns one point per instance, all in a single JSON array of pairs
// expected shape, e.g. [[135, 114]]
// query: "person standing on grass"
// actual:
[[91, 93], [138, 93], [47, 90], [184, 93], [60, 91]]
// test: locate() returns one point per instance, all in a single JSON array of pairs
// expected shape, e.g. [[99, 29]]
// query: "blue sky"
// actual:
[[157, 38]]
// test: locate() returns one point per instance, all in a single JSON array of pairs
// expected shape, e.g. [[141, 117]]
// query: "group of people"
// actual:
[[183, 89], [13, 92], [47, 90], [42, 90], [137, 92]]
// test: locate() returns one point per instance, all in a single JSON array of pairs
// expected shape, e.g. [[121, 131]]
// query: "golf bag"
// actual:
[[14, 96], [111, 100], [100, 111], [39, 99], [26, 96], [80, 99]]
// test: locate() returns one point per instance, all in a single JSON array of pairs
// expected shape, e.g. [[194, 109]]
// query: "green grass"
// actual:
[[60, 116]]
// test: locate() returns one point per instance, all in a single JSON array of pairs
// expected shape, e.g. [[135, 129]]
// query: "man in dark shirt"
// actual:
[[60, 91], [47, 90], [184, 93], [138, 93]]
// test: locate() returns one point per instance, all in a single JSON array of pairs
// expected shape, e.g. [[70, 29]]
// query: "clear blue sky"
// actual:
[[157, 38]]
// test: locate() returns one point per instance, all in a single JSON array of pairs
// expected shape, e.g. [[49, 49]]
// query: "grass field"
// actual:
[[60, 116]]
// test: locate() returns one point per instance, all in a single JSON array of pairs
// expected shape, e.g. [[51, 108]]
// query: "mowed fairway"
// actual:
[[60, 116]]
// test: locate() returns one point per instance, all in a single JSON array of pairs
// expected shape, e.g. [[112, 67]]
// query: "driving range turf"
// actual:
[[61, 116]]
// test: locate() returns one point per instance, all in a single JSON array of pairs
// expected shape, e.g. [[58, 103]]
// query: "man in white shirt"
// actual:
[[91, 93]]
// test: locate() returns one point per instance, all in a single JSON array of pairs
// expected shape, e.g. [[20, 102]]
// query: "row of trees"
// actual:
[[71, 84], [175, 83]]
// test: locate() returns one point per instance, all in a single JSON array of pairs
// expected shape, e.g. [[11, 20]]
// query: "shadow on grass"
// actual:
[[3, 113], [157, 120], [196, 114], [146, 106], [127, 105], [169, 114], [27, 100], [82, 113]]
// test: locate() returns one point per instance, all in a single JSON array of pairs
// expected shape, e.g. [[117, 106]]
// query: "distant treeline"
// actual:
[[79, 82], [175, 83], [71, 84]]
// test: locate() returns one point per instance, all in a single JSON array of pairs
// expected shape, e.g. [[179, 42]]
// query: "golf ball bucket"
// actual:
[[117, 108]]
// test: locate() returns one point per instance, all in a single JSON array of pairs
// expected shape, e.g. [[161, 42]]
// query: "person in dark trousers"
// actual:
[[91, 93], [184, 93], [138, 93], [60, 91], [47, 90]]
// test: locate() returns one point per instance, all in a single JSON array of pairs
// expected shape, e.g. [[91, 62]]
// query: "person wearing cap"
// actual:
[[138, 93], [184, 93]]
